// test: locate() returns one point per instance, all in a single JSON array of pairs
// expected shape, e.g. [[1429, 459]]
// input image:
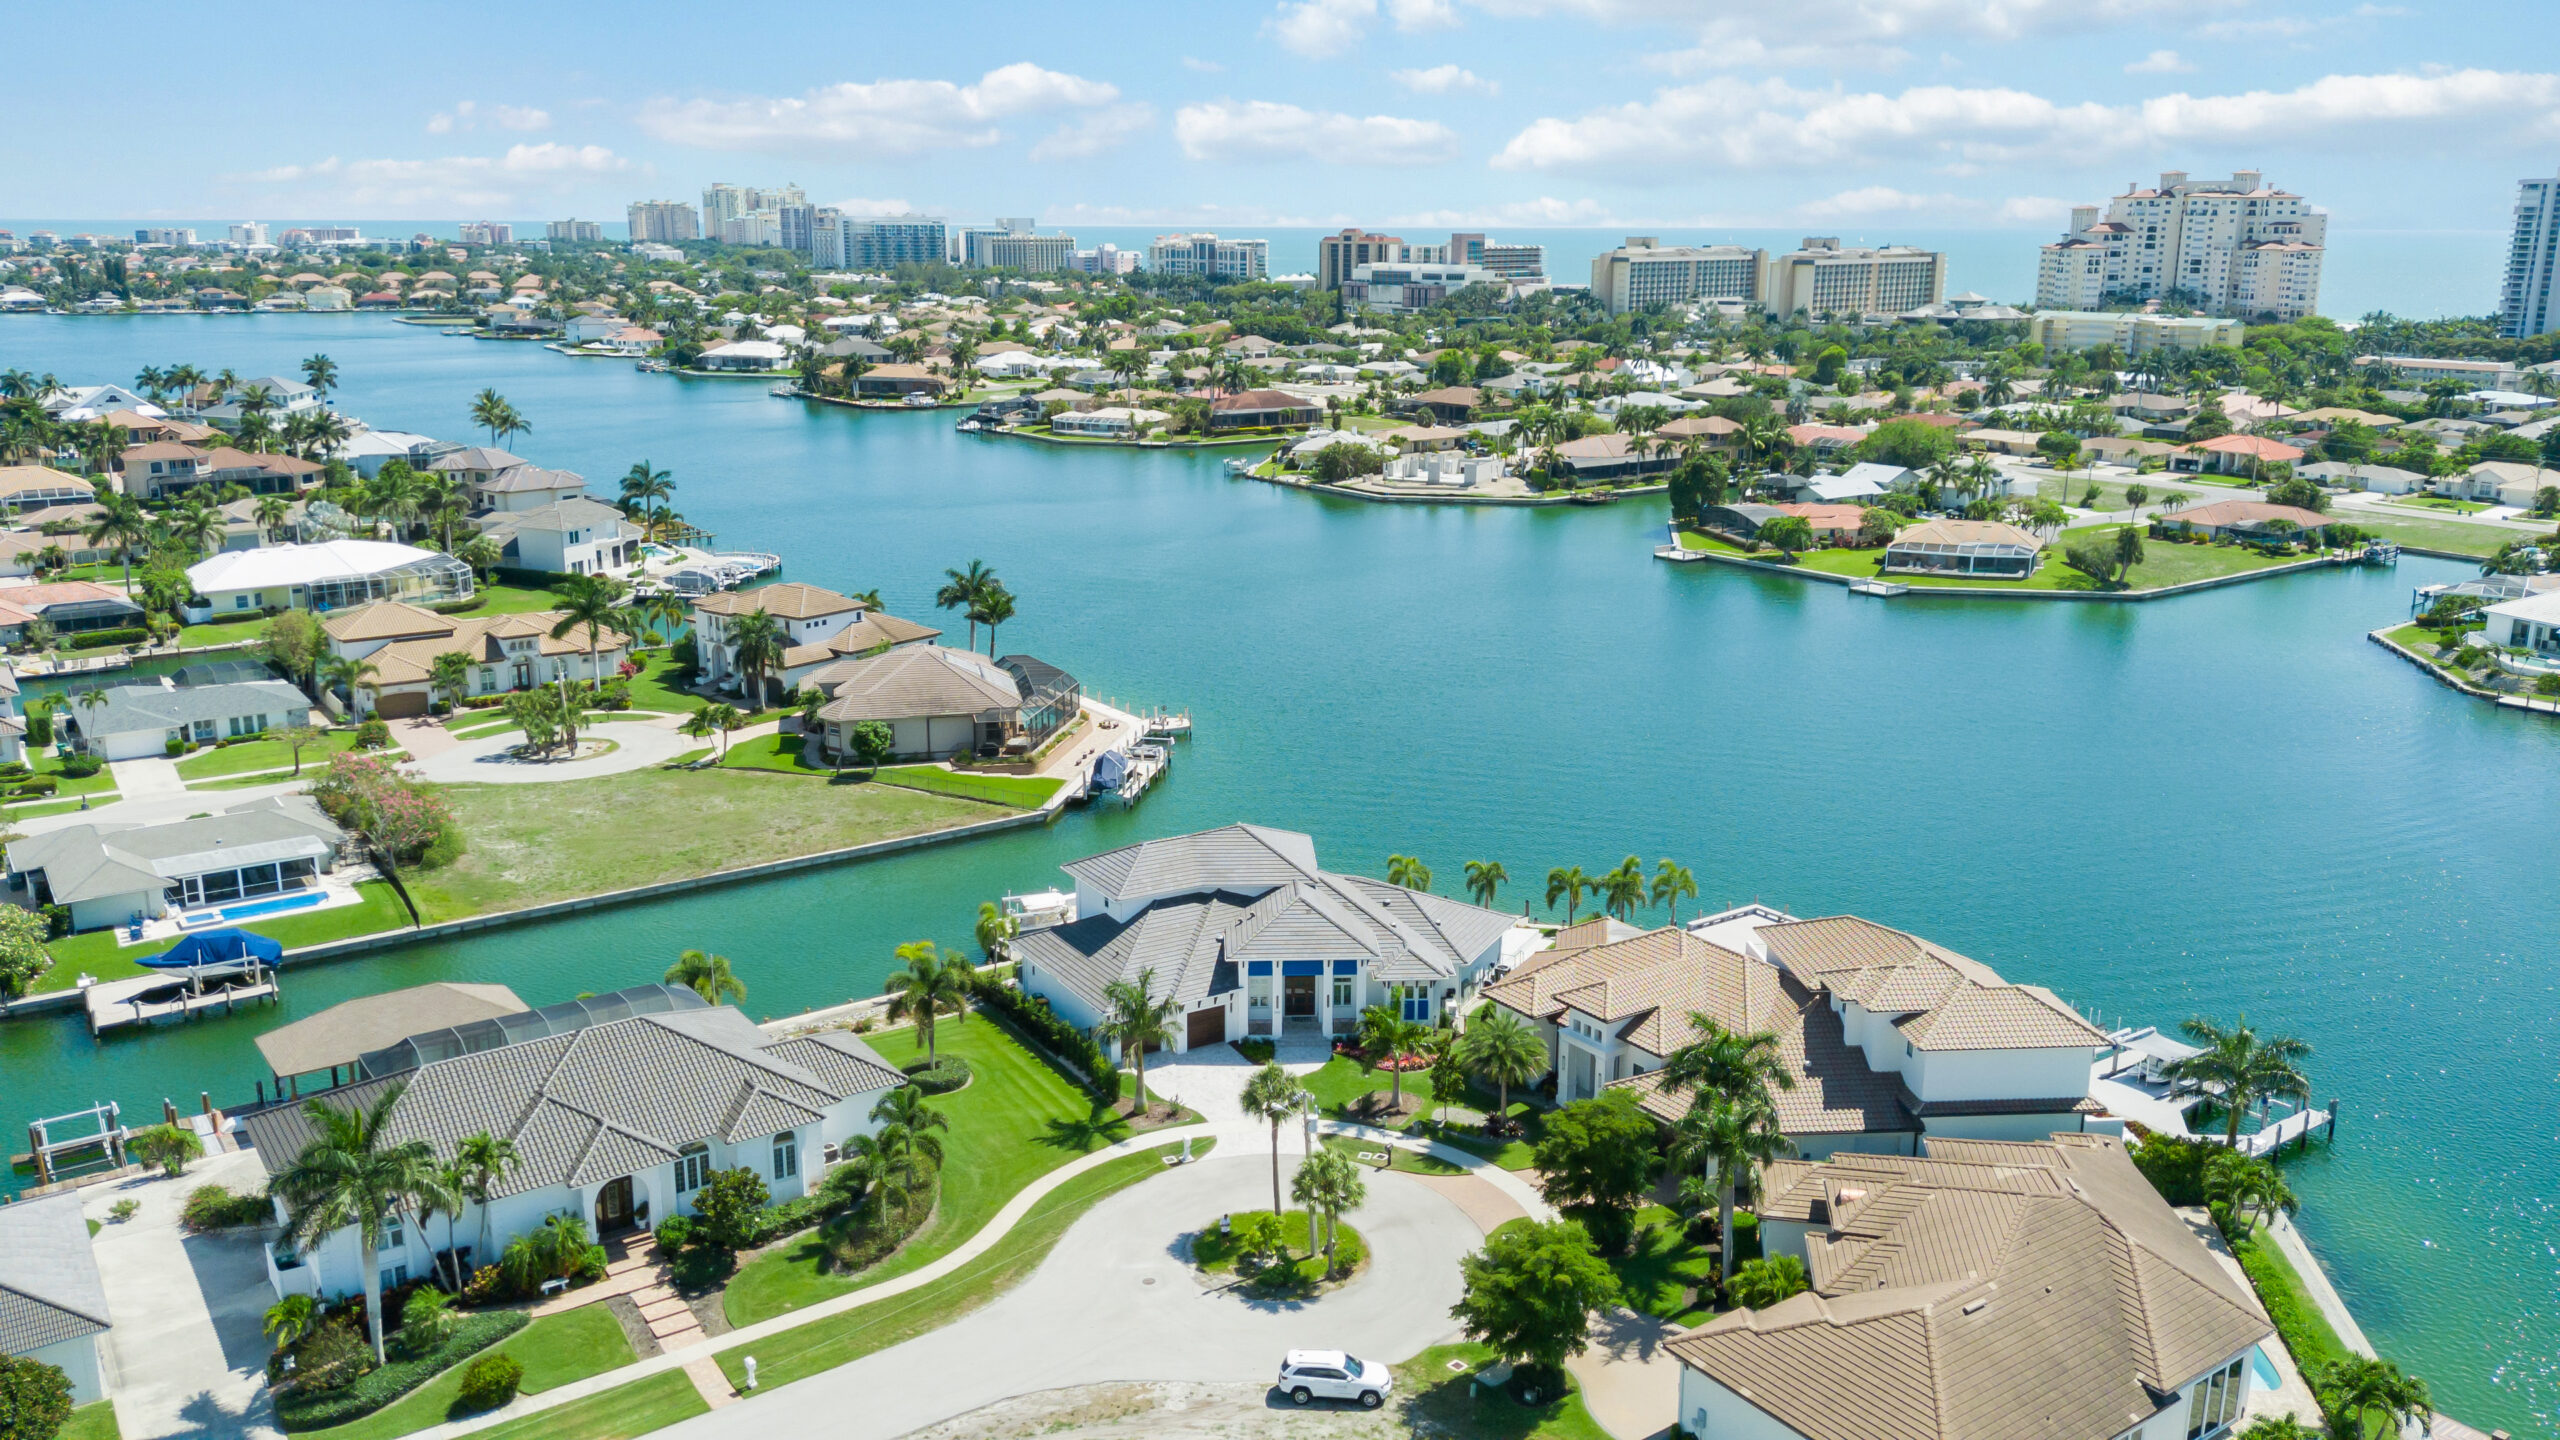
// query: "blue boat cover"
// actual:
[[1109, 769], [216, 947]]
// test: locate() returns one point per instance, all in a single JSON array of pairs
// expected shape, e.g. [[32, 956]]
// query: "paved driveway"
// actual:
[[186, 1343], [1115, 1301], [1211, 1080], [490, 759]]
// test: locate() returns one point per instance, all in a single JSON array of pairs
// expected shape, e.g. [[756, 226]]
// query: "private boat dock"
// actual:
[[2131, 1079], [175, 995]]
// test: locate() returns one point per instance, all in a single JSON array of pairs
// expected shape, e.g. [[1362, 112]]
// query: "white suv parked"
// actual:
[[1310, 1375]]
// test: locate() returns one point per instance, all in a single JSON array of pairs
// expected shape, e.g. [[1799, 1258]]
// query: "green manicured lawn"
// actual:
[[1023, 792], [528, 844], [29, 809], [620, 1413], [262, 755], [2481, 540], [655, 688], [1440, 1401], [1295, 1272], [554, 1350], [221, 632], [93, 1421], [500, 599], [821, 1345], [1399, 1159], [1341, 1081], [2444, 503], [96, 952], [49, 763], [777, 753], [2298, 1321], [1017, 1120], [1663, 1265]]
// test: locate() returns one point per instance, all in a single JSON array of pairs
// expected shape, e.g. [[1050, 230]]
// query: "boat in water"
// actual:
[[1039, 909]]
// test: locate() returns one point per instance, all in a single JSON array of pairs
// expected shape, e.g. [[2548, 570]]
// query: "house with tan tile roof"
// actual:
[[819, 628], [507, 652], [2037, 1290]]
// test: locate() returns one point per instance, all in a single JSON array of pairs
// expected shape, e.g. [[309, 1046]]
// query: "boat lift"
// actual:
[[47, 1144]]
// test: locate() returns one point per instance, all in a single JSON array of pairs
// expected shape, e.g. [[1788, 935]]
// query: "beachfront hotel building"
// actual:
[[1208, 255], [1825, 278], [1645, 272], [2132, 332], [2232, 247], [2525, 303], [663, 220]]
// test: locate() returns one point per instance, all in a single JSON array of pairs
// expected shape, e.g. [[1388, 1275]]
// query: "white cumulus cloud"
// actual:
[[2160, 62], [2034, 209], [1443, 79], [1319, 29], [471, 115], [450, 182], [890, 117], [1266, 130], [1878, 200], [1772, 123]]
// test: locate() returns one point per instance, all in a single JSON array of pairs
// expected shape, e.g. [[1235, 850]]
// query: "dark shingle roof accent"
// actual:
[[49, 1286]]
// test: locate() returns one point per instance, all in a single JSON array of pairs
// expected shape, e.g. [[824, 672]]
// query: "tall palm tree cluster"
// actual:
[[1623, 888], [979, 594]]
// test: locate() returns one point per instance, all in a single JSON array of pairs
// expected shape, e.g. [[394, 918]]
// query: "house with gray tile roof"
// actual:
[[106, 874], [620, 1123], [53, 1307], [1251, 937], [139, 720]]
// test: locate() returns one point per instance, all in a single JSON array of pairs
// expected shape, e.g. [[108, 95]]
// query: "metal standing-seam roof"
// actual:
[[601, 1102], [1986, 1290], [49, 1286]]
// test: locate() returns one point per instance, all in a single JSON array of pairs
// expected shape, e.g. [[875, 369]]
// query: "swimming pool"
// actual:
[[255, 908], [2265, 1370]]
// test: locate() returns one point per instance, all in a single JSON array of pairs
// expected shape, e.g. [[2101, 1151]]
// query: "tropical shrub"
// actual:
[[170, 1147], [2174, 1167], [674, 1233], [940, 1077], [426, 1321], [367, 794], [490, 1382], [22, 953], [81, 766], [304, 1407], [559, 1250], [373, 734], [1761, 1283], [725, 1210], [35, 1398], [212, 1207]]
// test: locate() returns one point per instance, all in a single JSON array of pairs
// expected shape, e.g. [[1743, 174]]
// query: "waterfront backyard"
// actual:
[[2222, 802]]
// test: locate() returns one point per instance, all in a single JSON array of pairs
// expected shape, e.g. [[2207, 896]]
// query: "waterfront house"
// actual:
[[819, 628], [2247, 520], [2499, 482], [1450, 405], [525, 487], [142, 718], [754, 357], [2529, 623], [575, 536], [260, 473], [328, 576], [1861, 481], [1261, 409], [1609, 455], [1889, 1037], [1249, 936], [35, 487], [1739, 520], [621, 1108], [1417, 439], [53, 1306], [108, 875], [1715, 432], [2233, 455], [889, 382], [367, 451], [1989, 549], [1110, 420], [71, 607], [159, 467], [939, 703], [338, 1038], [1825, 439], [474, 466], [507, 653], [1983, 1289]]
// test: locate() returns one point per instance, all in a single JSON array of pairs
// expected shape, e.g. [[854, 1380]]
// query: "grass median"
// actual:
[[616, 1414], [823, 1345], [554, 1351]]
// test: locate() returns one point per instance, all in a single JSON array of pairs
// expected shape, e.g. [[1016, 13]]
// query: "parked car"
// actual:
[[1307, 1376]]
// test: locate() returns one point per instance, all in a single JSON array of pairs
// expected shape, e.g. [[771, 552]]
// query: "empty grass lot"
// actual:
[[821, 1345], [262, 755], [2446, 535], [1440, 1401], [1017, 1120], [553, 1350], [530, 844]]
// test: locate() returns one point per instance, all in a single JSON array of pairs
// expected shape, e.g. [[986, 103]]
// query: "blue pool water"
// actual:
[[269, 907], [2265, 1368]]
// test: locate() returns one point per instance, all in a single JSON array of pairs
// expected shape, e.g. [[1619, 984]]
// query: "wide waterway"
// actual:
[[2223, 802]]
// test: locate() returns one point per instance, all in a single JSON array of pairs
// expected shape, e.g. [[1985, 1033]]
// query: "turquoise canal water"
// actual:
[[2225, 802]]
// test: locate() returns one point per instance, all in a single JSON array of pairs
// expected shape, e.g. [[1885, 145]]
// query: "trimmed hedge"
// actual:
[[1038, 1022], [939, 1077], [91, 639], [490, 1382], [377, 1388], [211, 1207]]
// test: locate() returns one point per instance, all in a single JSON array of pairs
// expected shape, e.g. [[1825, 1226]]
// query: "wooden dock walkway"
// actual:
[[118, 1003]]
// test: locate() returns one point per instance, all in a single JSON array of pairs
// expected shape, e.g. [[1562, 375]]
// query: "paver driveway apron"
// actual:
[[188, 1351], [637, 745], [1116, 1301]]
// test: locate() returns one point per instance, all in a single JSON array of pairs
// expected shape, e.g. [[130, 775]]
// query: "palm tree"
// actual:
[[1623, 887], [123, 525], [1406, 872], [2360, 1386], [1133, 1016], [349, 673], [482, 554], [592, 603], [708, 976], [1497, 1046], [930, 983], [1569, 882], [996, 930], [758, 640], [321, 374], [2246, 1191], [1328, 1186], [446, 1199], [1386, 1036], [353, 1175], [649, 490], [1730, 1138], [291, 1318], [442, 502], [395, 493], [449, 674], [1483, 878], [1742, 1066], [487, 1160], [2243, 1068], [1273, 1094], [962, 590], [489, 411], [1671, 881], [991, 610], [197, 524], [272, 512]]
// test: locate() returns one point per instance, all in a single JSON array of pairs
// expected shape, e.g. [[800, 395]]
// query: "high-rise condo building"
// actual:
[[850, 242], [175, 237], [723, 201], [1644, 272], [797, 227], [249, 232], [1009, 244], [1106, 260], [1338, 255], [1206, 254], [488, 232], [1823, 278], [573, 230], [2526, 306], [663, 220], [2232, 247]]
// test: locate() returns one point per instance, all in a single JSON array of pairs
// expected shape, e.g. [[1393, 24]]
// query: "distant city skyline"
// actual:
[[1650, 115]]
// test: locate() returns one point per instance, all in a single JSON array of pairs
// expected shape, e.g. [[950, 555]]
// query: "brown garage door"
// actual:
[[400, 704], [1208, 1027]]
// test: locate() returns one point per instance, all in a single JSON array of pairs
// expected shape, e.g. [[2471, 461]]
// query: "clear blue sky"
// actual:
[[1850, 114]]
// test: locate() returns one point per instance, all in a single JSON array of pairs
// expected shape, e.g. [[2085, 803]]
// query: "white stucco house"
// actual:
[[819, 628], [108, 875], [327, 576], [1251, 936], [1890, 1038], [572, 536], [53, 1306], [1986, 1288], [621, 1107]]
